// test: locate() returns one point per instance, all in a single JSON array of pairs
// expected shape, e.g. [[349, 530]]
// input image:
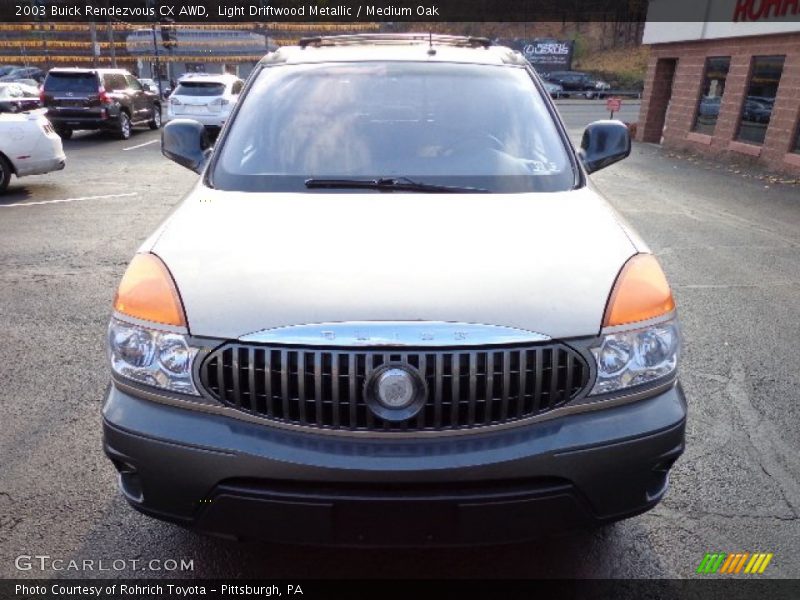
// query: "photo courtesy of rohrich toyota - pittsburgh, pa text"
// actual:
[[394, 299]]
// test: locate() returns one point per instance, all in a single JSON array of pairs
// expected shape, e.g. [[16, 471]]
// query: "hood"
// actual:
[[246, 262]]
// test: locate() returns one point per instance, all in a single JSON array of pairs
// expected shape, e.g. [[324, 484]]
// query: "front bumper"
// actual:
[[239, 479]]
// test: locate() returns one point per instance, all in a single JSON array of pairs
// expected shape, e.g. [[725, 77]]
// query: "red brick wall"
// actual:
[[775, 154]]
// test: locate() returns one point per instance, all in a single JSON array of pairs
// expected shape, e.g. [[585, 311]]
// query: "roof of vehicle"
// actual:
[[207, 77], [396, 47]]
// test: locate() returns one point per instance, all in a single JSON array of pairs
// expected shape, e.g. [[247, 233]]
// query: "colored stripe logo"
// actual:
[[735, 563]]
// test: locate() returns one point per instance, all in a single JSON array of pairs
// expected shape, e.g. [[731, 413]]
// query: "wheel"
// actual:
[[64, 133], [155, 122], [589, 95], [124, 127], [5, 174]]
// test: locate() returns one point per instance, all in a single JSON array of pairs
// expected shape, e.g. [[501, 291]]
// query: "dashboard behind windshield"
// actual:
[[452, 124]]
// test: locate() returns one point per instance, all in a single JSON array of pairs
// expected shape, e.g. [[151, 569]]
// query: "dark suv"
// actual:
[[575, 81], [108, 99]]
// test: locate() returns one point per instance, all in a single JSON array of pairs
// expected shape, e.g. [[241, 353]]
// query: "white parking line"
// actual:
[[70, 200], [140, 145]]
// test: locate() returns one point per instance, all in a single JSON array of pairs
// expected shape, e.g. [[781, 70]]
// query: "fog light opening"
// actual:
[[129, 481]]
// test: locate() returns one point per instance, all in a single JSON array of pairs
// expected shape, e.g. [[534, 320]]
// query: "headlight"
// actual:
[[150, 356], [629, 358]]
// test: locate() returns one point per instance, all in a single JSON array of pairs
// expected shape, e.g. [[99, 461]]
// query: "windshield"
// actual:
[[461, 125], [82, 83], [200, 88]]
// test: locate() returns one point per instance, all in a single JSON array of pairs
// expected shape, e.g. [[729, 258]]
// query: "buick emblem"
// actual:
[[395, 388], [395, 392]]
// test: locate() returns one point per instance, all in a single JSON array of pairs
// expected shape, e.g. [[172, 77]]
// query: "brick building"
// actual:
[[728, 86]]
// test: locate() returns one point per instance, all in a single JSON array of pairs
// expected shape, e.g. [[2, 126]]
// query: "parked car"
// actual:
[[573, 82], [709, 106], [15, 97], [553, 89], [756, 111], [28, 146], [6, 69], [107, 99], [152, 86], [207, 99], [393, 311], [31, 83], [602, 87], [34, 73]]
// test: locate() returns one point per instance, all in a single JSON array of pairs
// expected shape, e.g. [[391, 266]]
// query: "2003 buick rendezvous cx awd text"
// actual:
[[393, 311]]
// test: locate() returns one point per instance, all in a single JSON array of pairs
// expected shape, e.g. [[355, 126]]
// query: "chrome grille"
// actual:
[[324, 388]]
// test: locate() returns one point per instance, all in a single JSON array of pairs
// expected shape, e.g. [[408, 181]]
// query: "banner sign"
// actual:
[[546, 55]]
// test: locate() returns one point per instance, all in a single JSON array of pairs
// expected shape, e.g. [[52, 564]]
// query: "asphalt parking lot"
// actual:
[[730, 243]]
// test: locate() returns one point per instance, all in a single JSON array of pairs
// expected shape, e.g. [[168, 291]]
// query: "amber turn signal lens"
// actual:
[[148, 292], [641, 292]]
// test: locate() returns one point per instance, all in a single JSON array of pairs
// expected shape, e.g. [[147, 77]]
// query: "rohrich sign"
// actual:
[[546, 55], [757, 10], [688, 20]]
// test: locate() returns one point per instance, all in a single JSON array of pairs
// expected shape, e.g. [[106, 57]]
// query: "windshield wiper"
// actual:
[[399, 184]]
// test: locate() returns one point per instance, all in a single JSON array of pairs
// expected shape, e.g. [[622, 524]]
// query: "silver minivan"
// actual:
[[393, 311]]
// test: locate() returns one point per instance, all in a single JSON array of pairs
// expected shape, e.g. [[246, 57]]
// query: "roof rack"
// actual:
[[396, 38]]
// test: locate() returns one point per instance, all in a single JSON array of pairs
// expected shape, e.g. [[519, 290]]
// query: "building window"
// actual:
[[711, 94], [797, 140], [765, 75]]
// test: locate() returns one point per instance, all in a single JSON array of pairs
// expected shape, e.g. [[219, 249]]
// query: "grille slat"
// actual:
[[423, 370], [251, 379], [318, 386], [467, 387], [487, 412], [437, 390], [268, 383], [335, 390], [353, 389], [506, 384], [301, 384], [537, 381], [523, 362], [285, 383], [473, 386], [553, 377], [455, 389], [370, 367]]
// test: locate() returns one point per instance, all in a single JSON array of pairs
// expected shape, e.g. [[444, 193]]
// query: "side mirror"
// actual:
[[604, 143], [186, 142]]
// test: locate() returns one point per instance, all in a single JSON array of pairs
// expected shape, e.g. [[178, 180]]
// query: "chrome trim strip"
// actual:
[[148, 324], [641, 324], [189, 403], [394, 333]]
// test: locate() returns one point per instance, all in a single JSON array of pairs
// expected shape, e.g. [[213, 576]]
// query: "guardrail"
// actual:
[[602, 94]]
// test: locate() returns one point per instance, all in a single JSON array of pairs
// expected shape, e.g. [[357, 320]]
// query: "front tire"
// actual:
[[155, 122], [5, 174], [124, 127]]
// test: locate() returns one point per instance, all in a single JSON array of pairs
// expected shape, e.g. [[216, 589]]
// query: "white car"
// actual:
[[208, 99], [28, 146]]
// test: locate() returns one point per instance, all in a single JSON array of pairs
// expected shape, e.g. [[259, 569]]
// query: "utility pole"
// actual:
[[158, 63], [93, 37], [112, 49]]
